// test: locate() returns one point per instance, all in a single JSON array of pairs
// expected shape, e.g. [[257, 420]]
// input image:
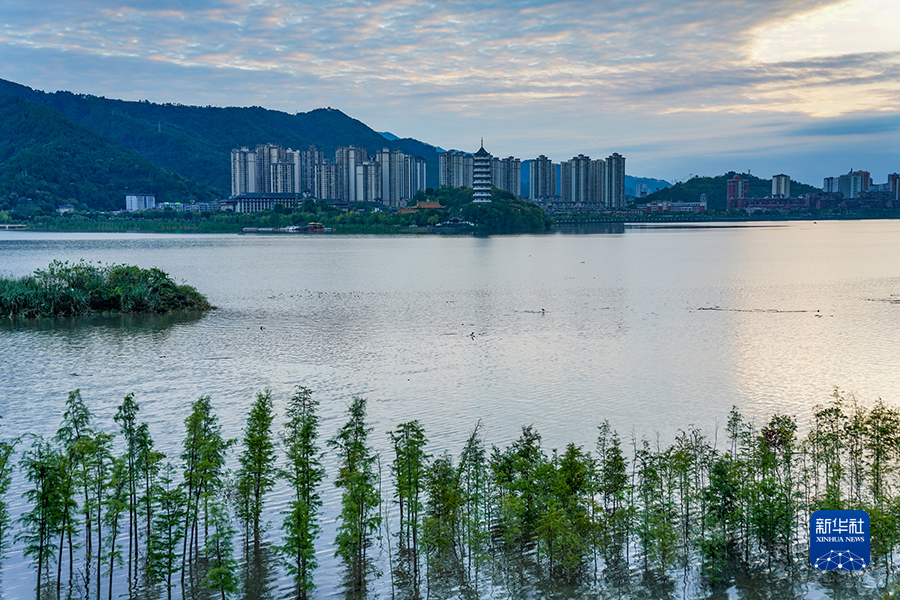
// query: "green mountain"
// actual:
[[716, 189], [47, 160], [196, 141]]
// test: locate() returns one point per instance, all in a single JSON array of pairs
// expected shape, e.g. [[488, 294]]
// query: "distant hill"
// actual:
[[652, 184], [47, 160], [716, 189], [388, 135], [196, 141]]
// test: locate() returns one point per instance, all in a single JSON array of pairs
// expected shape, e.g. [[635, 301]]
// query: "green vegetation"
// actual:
[[65, 290], [47, 160], [482, 521], [257, 473], [360, 497], [716, 189], [194, 142], [303, 474], [504, 214]]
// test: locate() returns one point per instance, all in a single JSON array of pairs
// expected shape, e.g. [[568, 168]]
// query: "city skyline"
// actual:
[[681, 87]]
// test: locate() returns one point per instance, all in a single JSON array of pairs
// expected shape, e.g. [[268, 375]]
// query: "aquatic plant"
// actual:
[[66, 289]]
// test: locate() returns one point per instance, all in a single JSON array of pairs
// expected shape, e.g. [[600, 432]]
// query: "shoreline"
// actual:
[[558, 227]]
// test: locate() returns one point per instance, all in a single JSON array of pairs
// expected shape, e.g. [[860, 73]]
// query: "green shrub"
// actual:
[[65, 290]]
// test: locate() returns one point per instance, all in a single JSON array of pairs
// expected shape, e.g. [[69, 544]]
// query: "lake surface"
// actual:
[[653, 329]]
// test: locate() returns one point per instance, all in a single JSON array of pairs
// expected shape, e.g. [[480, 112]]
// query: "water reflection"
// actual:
[[583, 228], [390, 318], [126, 324], [259, 572]]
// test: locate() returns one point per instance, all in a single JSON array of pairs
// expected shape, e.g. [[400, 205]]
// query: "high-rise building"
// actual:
[[309, 159], [585, 181], [506, 174], [615, 180], [894, 180], [781, 186], [326, 180], [345, 161], [481, 175], [400, 176], [413, 180], [541, 178], [243, 171], [831, 185], [851, 184], [576, 185], [389, 173], [368, 188], [455, 169], [266, 155], [738, 191], [282, 176], [598, 182]]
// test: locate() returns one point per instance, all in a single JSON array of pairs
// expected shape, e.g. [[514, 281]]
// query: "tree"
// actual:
[[126, 417], [40, 469], [117, 503], [442, 524], [204, 460], [219, 550], [168, 528], [360, 499], [147, 466], [513, 470], [6, 469], [304, 473], [474, 481], [409, 468], [99, 454], [257, 473], [76, 437]]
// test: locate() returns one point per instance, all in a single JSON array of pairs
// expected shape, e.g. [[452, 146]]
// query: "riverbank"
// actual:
[[424, 222]]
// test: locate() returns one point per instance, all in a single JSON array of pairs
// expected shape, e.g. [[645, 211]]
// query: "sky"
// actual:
[[810, 88]]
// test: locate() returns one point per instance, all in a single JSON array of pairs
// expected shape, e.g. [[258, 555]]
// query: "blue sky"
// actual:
[[806, 87]]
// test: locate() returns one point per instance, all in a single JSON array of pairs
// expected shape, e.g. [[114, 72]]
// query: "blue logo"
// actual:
[[839, 540]]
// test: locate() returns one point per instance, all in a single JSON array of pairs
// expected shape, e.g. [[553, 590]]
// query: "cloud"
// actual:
[[576, 74], [844, 127]]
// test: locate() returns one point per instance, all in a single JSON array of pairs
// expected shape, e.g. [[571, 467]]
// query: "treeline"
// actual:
[[716, 189], [82, 288], [108, 510], [504, 214]]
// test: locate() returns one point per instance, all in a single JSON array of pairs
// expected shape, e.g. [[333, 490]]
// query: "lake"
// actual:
[[653, 329]]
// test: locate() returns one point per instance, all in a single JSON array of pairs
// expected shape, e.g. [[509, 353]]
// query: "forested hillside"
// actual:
[[716, 189], [47, 160], [196, 141]]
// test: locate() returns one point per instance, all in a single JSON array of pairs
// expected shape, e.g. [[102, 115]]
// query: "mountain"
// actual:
[[196, 141], [47, 160], [716, 189], [652, 184], [388, 135]]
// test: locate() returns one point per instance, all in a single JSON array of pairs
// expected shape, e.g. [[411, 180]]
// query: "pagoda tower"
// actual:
[[481, 177]]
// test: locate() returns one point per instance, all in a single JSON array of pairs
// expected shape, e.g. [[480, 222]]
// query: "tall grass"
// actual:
[[82, 288]]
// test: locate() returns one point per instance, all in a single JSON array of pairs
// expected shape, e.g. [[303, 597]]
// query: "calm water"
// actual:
[[653, 329]]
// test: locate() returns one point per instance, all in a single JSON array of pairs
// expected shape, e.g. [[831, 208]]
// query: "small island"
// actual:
[[83, 288]]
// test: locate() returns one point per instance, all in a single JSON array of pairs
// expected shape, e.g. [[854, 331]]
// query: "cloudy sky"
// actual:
[[806, 87]]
